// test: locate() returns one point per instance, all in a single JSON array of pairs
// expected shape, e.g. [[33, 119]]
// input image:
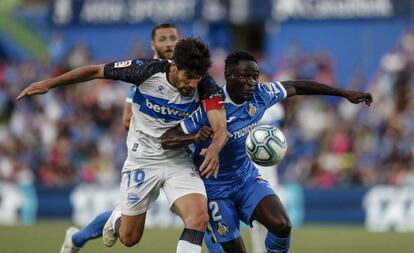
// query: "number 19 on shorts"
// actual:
[[136, 178]]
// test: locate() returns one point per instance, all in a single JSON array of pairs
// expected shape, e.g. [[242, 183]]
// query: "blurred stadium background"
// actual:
[[349, 168]]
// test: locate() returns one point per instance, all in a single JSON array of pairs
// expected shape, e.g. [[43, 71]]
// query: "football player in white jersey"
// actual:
[[166, 93], [164, 38]]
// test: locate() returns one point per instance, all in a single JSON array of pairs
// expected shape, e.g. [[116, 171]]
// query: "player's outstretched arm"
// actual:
[[304, 87], [176, 138], [77, 75]]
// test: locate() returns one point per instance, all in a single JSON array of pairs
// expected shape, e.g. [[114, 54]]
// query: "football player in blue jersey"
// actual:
[[166, 93], [239, 193]]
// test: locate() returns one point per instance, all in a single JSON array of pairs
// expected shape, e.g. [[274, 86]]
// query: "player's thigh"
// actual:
[[185, 192], [191, 205], [224, 224], [271, 213], [249, 196]]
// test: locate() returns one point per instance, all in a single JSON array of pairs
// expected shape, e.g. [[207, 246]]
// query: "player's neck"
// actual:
[[168, 75], [232, 97]]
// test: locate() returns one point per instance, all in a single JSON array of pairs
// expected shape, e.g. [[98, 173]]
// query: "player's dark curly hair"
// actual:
[[235, 57], [192, 55]]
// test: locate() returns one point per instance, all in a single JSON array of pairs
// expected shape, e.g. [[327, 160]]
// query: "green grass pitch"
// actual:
[[48, 236]]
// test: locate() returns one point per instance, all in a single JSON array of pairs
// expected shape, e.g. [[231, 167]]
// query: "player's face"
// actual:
[[164, 42], [242, 79], [185, 82]]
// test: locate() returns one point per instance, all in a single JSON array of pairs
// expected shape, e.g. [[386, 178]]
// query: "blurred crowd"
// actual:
[[75, 134]]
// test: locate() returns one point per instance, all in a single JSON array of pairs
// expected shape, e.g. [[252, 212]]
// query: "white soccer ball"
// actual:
[[266, 145]]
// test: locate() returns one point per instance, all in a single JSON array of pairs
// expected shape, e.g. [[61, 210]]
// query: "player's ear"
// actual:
[[173, 66], [226, 74], [152, 45]]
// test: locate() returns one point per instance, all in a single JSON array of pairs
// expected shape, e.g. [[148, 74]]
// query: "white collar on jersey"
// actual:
[[227, 98]]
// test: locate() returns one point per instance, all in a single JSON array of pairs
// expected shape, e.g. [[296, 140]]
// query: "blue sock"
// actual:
[[92, 230], [277, 244], [212, 247]]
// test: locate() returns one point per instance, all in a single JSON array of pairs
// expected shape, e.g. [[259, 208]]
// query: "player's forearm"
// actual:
[[217, 119], [305, 87], [219, 138], [174, 142], [78, 75], [176, 138]]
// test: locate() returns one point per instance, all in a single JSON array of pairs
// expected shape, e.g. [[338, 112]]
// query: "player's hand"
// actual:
[[358, 97], [34, 89], [202, 135], [210, 165]]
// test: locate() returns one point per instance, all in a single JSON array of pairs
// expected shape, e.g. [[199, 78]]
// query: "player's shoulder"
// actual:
[[142, 63], [270, 88], [208, 88], [155, 65]]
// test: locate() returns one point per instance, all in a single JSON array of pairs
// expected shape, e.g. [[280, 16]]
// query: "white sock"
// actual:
[[190, 241], [187, 247]]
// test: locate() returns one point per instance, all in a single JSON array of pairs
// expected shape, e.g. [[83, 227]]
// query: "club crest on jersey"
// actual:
[[122, 64], [222, 229], [252, 110]]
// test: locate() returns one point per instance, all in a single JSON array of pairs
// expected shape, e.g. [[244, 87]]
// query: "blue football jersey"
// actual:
[[241, 118]]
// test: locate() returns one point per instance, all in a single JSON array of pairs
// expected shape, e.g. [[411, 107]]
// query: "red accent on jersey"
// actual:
[[215, 103]]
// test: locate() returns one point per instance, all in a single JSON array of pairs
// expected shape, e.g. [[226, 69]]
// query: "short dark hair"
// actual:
[[192, 55], [161, 26], [235, 57]]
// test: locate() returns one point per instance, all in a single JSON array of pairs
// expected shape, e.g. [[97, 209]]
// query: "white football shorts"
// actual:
[[140, 187]]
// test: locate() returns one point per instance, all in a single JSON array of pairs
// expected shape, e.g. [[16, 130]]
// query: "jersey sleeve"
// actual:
[[210, 94], [208, 88], [195, 121], [131, 94], [272, 93], [134, 71]]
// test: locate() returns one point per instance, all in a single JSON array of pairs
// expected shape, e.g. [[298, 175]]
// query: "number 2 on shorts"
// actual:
[[213, 205]]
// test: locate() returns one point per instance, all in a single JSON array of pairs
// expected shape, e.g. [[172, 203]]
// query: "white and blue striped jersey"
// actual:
[[241, 118], [156, 104]]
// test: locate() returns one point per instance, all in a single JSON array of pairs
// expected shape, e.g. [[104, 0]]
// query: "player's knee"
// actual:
[[281, 227], [197, 221], [130, 239]]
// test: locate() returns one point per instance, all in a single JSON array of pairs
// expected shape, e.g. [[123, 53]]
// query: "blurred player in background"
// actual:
[[239, 192], [164, 38], [167, 92]]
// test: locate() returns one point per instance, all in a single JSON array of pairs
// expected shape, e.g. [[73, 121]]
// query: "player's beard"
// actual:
[[167, 54]]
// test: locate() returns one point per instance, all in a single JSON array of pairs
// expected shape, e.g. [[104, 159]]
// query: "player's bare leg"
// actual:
[[129, 229], [192, 209], [258, 232], [234, 246], [271, 213]]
